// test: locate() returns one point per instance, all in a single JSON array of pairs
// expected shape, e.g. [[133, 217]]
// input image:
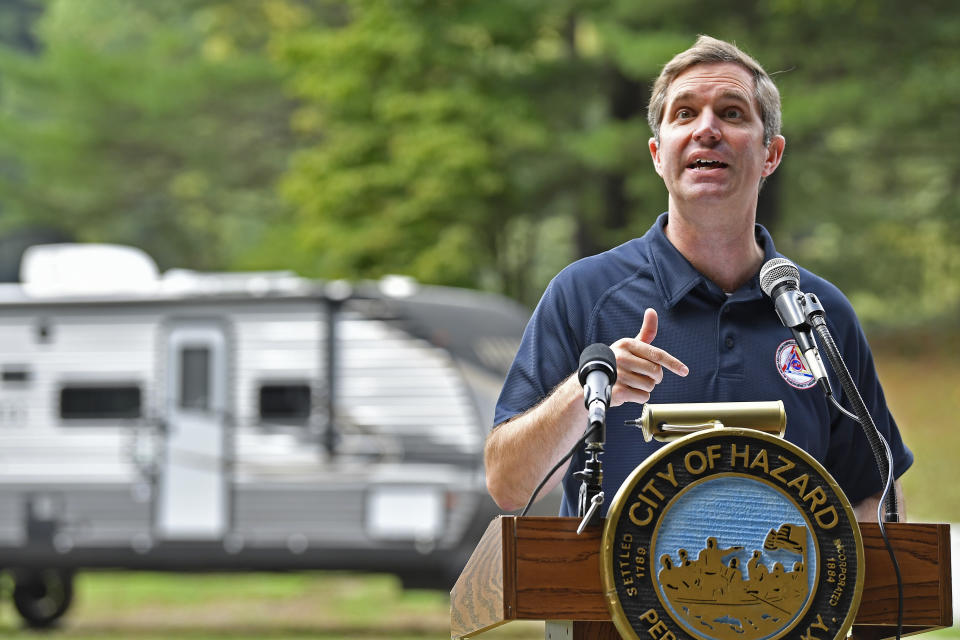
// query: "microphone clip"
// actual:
[[813, 315], [811, 307]]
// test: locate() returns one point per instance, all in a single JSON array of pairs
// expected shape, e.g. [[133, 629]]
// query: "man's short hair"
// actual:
[[709, 50]]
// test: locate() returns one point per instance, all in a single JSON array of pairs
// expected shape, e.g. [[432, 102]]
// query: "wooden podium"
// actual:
[[537, 568]]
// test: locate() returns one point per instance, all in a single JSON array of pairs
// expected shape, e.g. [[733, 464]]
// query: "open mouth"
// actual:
[[707, 164]]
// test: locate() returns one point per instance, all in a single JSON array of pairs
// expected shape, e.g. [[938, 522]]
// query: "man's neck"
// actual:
[[720, 244]]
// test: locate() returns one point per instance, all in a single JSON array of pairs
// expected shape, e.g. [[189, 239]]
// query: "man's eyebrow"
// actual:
[[683, 96], [691, 96], [733, 94]]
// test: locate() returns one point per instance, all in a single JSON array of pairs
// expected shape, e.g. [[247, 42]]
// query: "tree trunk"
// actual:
[[627, 99]]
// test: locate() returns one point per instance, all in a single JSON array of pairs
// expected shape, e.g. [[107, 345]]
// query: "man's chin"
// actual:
[[706, 192]]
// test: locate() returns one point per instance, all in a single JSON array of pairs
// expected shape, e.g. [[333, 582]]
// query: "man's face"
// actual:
[[711, 137]]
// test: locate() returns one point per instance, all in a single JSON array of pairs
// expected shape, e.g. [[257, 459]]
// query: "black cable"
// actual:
[[883, 533], [564, 459], [876, 439], [888, 486]]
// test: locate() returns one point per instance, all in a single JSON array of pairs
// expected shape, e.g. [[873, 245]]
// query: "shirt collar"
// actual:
[[676, 277]]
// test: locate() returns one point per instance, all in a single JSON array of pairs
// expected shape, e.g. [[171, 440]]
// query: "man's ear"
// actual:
[[774, 155], [655, 154]]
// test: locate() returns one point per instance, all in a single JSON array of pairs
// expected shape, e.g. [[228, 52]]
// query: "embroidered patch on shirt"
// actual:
[[791, 366]]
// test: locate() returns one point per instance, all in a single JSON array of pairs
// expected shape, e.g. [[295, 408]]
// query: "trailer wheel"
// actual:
[[42, 596]]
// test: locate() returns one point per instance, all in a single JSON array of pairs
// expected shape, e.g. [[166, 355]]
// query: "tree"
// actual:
[[161, 125], [871, 194], [471, 143], [468, 143], [433, 127]]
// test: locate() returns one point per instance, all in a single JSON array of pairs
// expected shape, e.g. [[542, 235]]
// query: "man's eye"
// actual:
[[683, 114], [733, 112]]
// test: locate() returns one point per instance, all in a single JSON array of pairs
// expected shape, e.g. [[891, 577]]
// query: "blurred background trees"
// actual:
[[470, 143], [162, 125]]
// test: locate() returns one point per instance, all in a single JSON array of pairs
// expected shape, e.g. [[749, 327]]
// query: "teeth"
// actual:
[[700, 164]]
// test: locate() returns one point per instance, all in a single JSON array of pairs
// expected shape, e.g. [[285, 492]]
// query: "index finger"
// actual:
[[657, 355]]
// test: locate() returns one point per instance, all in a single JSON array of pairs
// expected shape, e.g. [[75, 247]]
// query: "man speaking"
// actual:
[[682, 306]]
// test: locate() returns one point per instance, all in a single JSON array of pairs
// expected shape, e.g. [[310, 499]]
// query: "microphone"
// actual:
[[780, 280], [597, 373]]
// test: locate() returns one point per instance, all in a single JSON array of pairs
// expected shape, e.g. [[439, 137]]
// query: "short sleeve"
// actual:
[[548, 353]]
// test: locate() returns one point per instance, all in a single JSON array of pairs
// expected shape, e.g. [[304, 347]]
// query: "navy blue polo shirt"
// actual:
[[730, 343]]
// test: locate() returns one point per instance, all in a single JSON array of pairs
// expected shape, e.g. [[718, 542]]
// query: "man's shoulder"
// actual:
[[608, 268], [580, 291]]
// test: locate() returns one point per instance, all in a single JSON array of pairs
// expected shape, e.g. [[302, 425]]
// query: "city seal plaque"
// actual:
[[731, 534]]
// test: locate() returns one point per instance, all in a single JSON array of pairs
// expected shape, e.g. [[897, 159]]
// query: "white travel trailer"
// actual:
[[256, 421]]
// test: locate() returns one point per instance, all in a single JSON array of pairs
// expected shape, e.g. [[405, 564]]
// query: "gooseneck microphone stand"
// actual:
[[816, 318], [597, 373], [800, 312]]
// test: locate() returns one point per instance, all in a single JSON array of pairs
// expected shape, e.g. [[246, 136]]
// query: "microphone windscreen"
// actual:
[[777, 271], [597, 355]]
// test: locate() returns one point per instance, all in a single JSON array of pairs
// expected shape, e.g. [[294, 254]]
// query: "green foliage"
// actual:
[[446, 138], [451, 141], [422, 133], [870, 188], [154, 124], [471, 143]]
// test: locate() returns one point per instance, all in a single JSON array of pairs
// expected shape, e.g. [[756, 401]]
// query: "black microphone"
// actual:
[[597, 373], [780, 280]]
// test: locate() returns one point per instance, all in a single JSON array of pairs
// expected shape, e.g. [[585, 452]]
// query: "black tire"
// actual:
[[42, 596]]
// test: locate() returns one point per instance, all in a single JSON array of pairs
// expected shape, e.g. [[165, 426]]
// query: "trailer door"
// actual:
[[192, 501]]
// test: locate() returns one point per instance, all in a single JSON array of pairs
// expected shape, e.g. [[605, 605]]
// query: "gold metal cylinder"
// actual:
[[665, 422]]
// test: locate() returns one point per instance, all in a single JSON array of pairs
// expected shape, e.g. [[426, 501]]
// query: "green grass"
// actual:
[[922, 383], [923, 388], [150, 606]]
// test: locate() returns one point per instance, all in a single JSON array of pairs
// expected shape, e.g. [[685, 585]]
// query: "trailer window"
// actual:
[[15, 374], [195, 378], [84, 402], [288, 403]]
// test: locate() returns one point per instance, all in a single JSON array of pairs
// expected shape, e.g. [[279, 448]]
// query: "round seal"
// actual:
[[731, 534], [791, 366]]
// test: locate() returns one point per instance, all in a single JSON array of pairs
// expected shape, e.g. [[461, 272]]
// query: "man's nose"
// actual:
[[707, 128]]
